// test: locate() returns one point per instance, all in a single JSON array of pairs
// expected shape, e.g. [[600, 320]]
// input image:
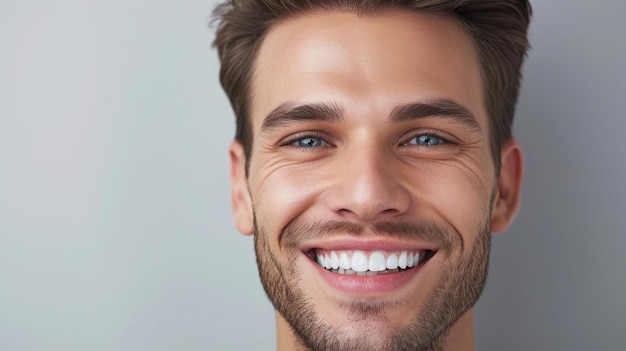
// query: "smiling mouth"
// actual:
[[368, 263]]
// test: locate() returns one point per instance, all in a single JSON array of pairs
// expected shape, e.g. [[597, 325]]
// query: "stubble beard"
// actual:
[[460, 284]]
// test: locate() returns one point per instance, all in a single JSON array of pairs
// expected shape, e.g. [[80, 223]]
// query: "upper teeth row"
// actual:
[[358, 261]]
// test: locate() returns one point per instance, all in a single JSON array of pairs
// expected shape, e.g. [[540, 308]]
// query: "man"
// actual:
[[373, 158]]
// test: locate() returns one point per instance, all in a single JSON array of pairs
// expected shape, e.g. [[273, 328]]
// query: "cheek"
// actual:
[[457, 196], [454, 192], [285, 192]]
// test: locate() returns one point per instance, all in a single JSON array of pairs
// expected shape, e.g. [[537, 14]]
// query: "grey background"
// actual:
[[115, 228]]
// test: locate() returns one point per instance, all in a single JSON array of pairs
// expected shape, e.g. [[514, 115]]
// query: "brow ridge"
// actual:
[[287, 113], [332, 112], [440, 108]]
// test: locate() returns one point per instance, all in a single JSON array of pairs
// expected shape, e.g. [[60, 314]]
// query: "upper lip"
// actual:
[[368, 244]]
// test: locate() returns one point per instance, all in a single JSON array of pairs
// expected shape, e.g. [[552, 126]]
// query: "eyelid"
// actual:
[[292, 138], [445, 137]]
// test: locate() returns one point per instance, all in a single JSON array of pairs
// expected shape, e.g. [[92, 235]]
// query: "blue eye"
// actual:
[[427, 140], [309, 142]]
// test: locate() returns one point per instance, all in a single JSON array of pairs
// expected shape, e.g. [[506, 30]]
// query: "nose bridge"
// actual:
[[368, 188]]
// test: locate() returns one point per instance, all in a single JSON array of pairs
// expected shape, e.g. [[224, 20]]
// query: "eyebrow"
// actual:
[[287, 113], [440, 108]]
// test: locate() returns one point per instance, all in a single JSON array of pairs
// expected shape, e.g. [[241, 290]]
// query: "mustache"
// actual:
[[442, 234]]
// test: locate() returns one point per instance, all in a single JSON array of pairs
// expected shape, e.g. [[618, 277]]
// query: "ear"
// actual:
[[509, 186], [241, 203]]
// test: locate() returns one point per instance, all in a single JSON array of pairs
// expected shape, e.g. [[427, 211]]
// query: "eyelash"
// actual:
[[289, 141], [445, 141]]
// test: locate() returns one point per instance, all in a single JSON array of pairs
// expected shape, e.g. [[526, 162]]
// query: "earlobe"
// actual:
[[509, 187], [241, 203]]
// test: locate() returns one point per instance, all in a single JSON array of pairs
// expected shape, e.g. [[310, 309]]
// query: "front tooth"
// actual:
[[344, 261], [416, 259], [377, 262], [402, 260], [409, 260], [392, 261], [334, 260], [359, 261]]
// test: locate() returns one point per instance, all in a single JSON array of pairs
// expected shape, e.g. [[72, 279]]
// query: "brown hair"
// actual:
[[498, 28]]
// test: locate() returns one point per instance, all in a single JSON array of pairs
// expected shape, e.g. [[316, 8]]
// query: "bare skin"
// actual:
[[364, 164]]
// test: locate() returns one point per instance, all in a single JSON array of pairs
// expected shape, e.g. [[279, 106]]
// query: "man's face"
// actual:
[[371, 184]]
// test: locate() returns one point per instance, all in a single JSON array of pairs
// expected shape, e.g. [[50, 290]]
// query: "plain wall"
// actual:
[[115, 227]]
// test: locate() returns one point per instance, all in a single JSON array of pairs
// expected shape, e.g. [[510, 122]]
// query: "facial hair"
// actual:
[[459, 286]]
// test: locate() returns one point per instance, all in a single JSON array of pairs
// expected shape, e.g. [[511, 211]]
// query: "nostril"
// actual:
[[367, 216], [369, 200], [345, 212]]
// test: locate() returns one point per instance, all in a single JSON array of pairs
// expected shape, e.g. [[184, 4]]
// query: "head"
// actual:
[[373, 158], [498, 29]]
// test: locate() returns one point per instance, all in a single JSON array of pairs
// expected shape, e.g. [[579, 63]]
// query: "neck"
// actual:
[[459, 338]]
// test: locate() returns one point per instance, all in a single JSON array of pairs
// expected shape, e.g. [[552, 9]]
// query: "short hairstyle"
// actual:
[[498, 29]]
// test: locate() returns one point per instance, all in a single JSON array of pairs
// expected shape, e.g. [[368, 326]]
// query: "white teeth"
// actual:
[[359, 261], [402, 260], [334, 260], [377, 262], [392, 261], [344, 261]]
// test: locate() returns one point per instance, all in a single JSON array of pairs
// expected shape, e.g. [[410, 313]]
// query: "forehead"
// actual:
[[366, 64]]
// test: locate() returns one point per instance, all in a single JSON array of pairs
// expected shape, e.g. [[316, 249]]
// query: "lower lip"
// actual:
[[368, 285]]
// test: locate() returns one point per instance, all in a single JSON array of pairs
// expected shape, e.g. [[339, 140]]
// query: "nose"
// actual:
[[368, 187]]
